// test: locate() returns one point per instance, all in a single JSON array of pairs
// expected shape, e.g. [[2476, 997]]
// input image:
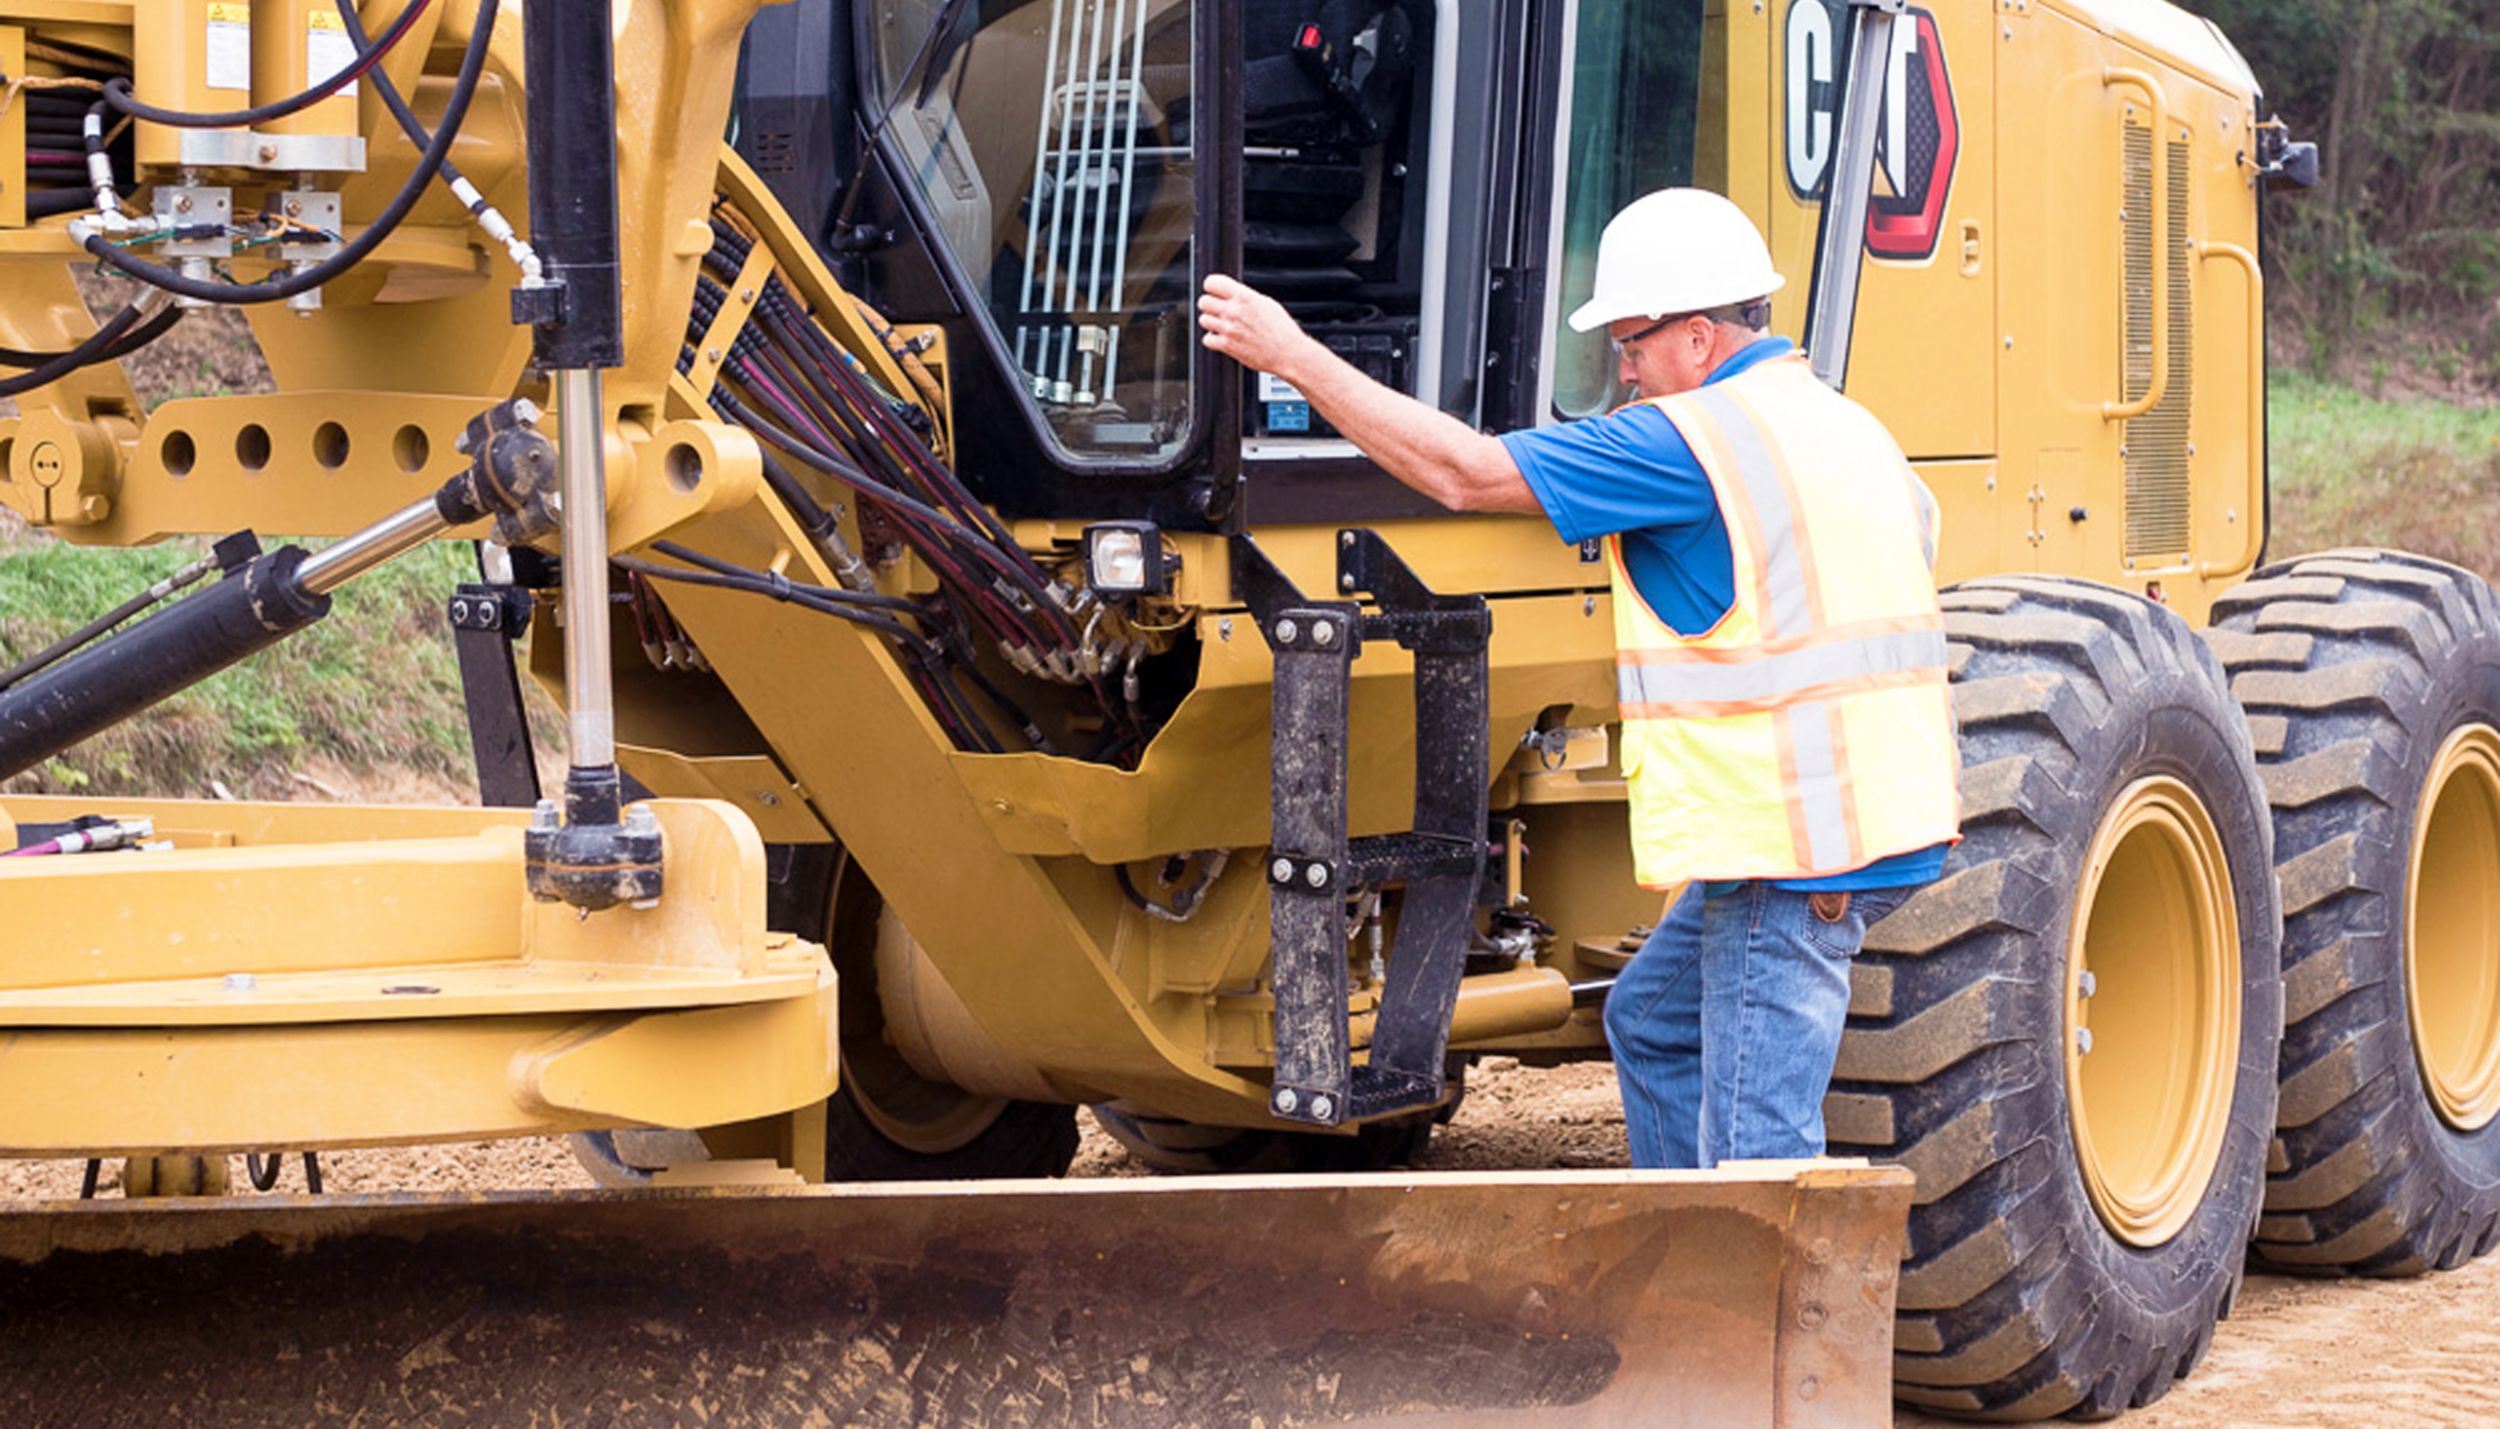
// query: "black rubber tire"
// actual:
[[2016, 1302], [822, 895], [1186, 1148], [2354, 668]]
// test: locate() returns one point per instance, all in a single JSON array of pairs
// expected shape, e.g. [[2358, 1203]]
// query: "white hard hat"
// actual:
[[1676, 251]]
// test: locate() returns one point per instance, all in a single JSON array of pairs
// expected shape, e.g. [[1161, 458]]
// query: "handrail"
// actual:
[[2253, 542], [2159, 387]]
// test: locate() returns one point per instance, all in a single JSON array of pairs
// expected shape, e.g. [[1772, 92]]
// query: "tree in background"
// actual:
[[2396, 254]]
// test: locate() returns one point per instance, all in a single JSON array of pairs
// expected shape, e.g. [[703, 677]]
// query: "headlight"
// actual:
[[1125, 558]]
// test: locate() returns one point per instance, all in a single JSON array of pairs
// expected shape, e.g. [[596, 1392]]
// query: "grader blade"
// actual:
[[1759, 1295]]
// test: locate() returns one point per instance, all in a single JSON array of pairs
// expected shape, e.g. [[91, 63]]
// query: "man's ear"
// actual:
[[1704, 334]]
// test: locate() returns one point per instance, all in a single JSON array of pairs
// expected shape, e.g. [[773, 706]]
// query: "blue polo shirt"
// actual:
[[1632, 473]]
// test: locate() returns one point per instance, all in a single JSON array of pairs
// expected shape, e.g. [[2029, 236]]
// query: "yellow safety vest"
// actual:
[[1809, 731]]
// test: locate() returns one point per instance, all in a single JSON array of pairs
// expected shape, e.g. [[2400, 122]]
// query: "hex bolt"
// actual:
[[1285, 631], [1323, 1107], [1345, 540], [1346, 582], [1286, 1101], [640, 820], [1323, 633], [1224, 629], [2083, 1041], [1281, 870], [459, 612], [2086, 983], [1316, 875], [545, 816], [241, 982]]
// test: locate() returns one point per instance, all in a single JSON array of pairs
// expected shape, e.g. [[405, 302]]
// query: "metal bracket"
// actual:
[[1440, 861], [485, 621]]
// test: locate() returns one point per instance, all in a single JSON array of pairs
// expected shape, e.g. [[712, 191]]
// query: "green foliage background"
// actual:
[[2391, 266]]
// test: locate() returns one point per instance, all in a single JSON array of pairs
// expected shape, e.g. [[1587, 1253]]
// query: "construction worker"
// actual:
[[1787, 741]]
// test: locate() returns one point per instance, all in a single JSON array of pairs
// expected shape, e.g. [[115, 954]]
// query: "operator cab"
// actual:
[[1048, 179]]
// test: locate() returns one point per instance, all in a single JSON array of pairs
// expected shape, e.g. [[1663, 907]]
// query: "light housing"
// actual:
[[1124, 559]]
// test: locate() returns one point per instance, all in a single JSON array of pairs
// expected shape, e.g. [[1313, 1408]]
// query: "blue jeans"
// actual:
[[1726, 1023]]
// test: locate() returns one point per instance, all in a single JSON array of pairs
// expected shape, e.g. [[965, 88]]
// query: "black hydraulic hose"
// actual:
[[717, 566], [271, 290], [781, 588], [52, 203], [60, 365], [87, 633], [117, 90], [130, 342], [409, 124]]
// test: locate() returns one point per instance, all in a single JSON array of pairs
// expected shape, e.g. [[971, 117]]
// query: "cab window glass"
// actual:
[[1051, 141], [1635, 104]]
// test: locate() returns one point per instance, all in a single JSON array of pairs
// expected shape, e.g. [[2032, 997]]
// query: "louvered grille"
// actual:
[[773, 153], [2157, 442]]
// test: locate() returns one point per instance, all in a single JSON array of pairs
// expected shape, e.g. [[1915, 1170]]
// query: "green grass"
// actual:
[[2411, 473], [373, 687]]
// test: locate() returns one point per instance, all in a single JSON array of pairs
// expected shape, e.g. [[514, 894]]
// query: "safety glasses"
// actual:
[[1622, 345]]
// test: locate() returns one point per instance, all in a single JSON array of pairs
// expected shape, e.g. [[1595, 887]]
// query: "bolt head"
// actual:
[[1281, 870], [1286, 1101], [1286, 630], [1316, 875], [2083, 1041], [640, 820], [1345, 540], [2086, 983], [1323, 1107], [1323, 634], [546, 815], [241, 982], [1224, 629], [1346, 581]]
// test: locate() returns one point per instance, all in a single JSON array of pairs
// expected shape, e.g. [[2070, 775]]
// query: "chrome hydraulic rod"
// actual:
[[397, 534], [1842, 246], [589, 696]]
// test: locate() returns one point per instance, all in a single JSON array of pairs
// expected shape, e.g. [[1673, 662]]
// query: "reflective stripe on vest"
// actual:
[[1808, 731], [1648, 687]]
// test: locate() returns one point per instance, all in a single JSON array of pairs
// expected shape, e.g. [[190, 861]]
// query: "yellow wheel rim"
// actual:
[[2452, 933], [2153, 993]]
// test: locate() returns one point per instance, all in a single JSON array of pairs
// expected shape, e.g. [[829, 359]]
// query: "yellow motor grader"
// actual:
[[983, 702]]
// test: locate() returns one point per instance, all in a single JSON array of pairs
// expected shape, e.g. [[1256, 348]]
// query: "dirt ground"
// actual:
[[2298, 1354]]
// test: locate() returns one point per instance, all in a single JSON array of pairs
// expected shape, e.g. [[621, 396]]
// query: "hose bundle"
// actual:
[[811, 405]]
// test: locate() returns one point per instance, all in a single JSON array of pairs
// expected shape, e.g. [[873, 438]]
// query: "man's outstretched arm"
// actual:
[[1429, 450]]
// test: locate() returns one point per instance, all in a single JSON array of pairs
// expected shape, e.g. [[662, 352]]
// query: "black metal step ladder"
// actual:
[[1313, 865]]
